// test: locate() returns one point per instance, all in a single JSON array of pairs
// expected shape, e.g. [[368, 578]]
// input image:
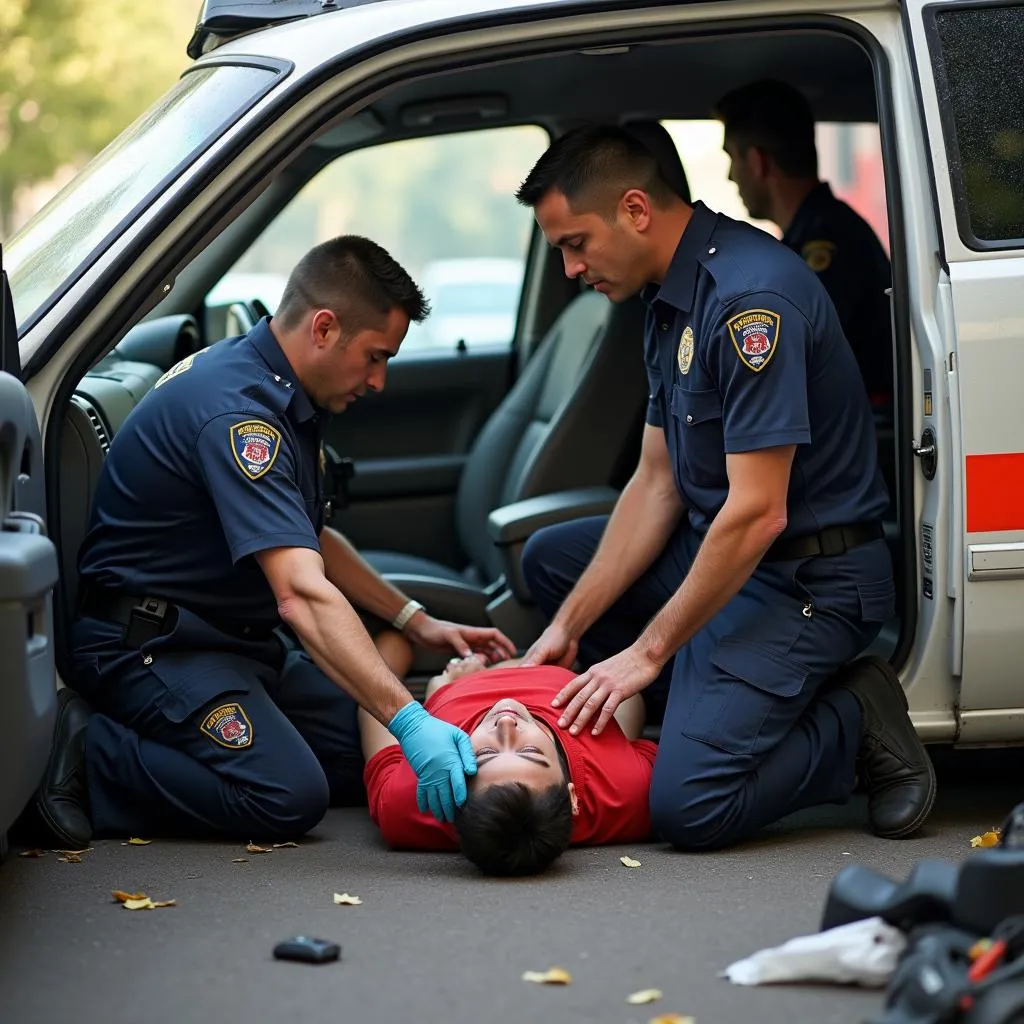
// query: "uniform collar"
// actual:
[[681, 279], [261, 337], [819, 196]]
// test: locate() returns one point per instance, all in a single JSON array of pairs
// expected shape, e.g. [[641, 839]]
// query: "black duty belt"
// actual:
[[146, 618], [833, 540]]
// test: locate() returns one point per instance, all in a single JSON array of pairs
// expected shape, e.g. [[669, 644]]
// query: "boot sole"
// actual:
[[885, 669]]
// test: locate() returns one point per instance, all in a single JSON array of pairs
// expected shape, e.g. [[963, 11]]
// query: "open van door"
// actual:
[[28, 574], [971, 103]]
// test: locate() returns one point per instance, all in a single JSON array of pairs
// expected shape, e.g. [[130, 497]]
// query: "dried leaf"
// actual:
[[629, 862], [32, 853], [552, 976], [343, 897], [137, 842], [121, 896], [986, 839], [240, 860], [279, 846], [73, 853], [671, 1018], [71, 858], [253, 848], [145, 903], [163, 903], [647, 995]]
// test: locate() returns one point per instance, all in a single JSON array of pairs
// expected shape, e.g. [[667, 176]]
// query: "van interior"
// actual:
[[439, 479]]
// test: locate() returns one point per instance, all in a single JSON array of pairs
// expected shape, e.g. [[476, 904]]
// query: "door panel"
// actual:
[[960, 51], [408, 445], [28, 574]]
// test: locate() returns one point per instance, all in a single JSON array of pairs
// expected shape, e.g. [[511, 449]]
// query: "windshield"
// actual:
[[49, 252]]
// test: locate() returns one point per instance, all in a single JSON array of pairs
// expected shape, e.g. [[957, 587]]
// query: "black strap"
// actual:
[[833, 540]]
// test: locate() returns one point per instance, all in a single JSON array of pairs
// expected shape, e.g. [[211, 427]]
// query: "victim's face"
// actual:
[[513, 746]]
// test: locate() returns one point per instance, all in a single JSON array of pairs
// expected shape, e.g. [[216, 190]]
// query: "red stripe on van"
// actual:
[[995, 492]]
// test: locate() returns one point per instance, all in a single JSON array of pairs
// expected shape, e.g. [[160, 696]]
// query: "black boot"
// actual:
[[62, 799], [892, 762]]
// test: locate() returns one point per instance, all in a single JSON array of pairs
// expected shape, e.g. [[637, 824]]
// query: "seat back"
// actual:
[[570, 420]]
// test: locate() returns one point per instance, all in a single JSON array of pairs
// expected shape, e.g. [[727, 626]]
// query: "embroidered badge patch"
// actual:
[[684, 354], [818, 255], [229, 726], [755, 334], [255, 445]]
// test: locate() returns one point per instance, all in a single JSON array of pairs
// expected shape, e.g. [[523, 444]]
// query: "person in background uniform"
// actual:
[[536, 790], [769, 138], [207, 532], [743, 568]]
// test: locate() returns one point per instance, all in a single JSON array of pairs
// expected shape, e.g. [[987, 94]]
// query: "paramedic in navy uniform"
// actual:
[[207, 531], [743, 568]]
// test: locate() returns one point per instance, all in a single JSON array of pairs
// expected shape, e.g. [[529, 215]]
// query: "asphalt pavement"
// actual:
[[434, 941]]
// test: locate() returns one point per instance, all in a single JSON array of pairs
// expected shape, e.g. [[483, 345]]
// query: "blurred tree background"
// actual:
[[73, 74]]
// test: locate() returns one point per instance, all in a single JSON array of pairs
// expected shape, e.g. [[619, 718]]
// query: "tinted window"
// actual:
[[976, 54]]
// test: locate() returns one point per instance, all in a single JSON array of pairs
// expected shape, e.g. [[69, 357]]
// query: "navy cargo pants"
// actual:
[[748, 735], [199, 733]]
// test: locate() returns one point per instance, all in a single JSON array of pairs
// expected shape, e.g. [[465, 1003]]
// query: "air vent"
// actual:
[[97, 424]]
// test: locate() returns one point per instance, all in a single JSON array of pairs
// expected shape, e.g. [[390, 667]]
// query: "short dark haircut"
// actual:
[[356, 279], [508, 829], [592, 166], [777, 119]]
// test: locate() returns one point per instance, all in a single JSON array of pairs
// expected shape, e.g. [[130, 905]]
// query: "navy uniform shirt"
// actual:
[[218, 462], [744, 351], [840, 247]]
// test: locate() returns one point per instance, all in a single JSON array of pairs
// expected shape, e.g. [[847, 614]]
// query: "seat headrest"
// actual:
[[654, 135]]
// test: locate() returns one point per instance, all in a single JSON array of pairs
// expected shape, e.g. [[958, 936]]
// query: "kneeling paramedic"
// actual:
[[207, 531]]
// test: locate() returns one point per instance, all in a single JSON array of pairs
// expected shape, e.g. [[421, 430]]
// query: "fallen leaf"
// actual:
[[32, 853], [647, 995], [240, 860], [120, 895], [163, 903], [73, 853], [343, 897], [986, 839], [629, 862], [552, 976], [145, 903], [279, 846], [671, 1018], [253, 848], [71, 858], [137, 842]]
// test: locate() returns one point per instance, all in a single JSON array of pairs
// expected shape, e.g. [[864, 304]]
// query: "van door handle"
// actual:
[[926, 451]]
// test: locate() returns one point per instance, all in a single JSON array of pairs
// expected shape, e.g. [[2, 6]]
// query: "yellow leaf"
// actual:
[[32, 853], [343, 897], [552, 976], [647, 995], [120, 895], [163, 903], [240, 860], [671, 1018], [986, 839], [137, 842], [73, 853], [279, 846], [71, 858], [253, 848], [629, 862], [141, 904]]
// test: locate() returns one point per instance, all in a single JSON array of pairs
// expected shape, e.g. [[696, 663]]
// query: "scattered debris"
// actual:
[[343, 897], [552, 976], [281, 846], [986, 839], [671, 1018], [253, 848], [240, 860], [120, 895], [629, 862], [647, 995], [139, 901], [32, 853], [71, 856], [137, 842]]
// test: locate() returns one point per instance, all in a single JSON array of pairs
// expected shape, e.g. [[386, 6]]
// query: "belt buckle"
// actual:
[[151, 609]]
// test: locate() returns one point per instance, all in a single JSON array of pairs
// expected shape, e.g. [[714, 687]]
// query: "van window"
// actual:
[[975, 54], [443, 206]]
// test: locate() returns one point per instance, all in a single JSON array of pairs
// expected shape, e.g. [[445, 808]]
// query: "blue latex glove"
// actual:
[[441, 756]]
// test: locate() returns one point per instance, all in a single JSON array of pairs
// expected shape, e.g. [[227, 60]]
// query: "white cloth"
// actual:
[[862, 952]]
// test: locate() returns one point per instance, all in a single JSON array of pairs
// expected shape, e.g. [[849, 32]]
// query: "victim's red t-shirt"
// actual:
[[612, 774]]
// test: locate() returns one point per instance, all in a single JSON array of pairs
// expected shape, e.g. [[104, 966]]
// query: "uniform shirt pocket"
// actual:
[[697, 417]]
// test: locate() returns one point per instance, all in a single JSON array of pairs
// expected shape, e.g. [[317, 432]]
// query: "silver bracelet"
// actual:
[[401, 620]]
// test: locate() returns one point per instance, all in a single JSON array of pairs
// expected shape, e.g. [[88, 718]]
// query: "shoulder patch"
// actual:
[[180, 367], [255, 445], [228, 726], [755, 336], [818, 254]]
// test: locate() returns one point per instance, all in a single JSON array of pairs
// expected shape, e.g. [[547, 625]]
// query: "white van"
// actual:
[[290, 99]]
